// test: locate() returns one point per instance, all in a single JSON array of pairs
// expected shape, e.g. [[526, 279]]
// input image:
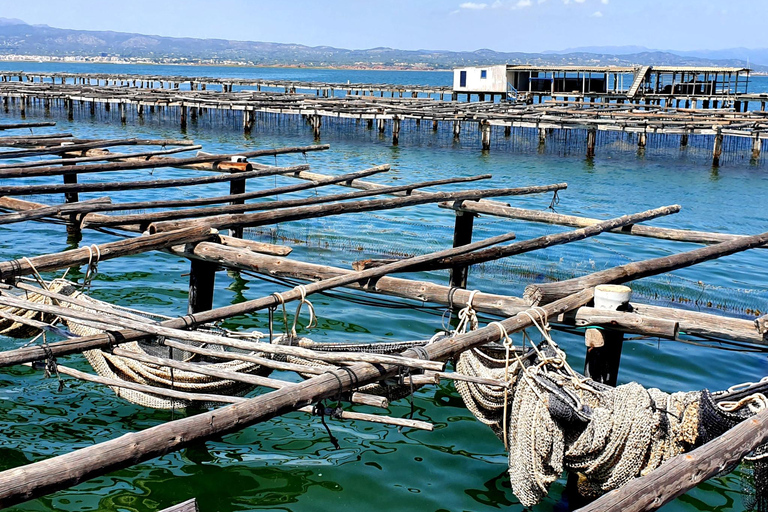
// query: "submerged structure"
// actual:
[[549, 416]]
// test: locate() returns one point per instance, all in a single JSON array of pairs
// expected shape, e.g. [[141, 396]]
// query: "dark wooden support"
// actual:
[[683, 140], [202, 276], [591, 140], [642, 140], [456, 129], [485, 131], [757, 145], [462, 235], [237, 187], [183, 117], [395, 131], [717, 150]]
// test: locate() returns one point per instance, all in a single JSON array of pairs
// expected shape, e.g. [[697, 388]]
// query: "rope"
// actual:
[[93, 265]]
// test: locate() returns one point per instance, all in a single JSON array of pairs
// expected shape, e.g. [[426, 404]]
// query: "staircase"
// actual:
[[639, 77]]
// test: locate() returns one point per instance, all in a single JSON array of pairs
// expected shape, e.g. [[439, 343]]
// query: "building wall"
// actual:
[[495, 80]]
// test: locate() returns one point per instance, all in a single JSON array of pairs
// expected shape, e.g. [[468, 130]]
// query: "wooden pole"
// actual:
[[48, 262], [546, 292], [323, 210], [717, 150], [684, 472]]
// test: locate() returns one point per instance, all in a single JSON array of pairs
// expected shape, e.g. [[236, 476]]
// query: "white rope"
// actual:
[[468, 316], [312, 317]]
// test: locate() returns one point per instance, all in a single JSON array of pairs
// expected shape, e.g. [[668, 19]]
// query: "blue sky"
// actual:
[[502, 25]]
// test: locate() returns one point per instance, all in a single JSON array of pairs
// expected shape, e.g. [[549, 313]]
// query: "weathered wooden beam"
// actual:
[[48, 262], [55, 210], [546, 292], [237, 206], [17, 190], [548, 217], [13, 126], [684, 472], [106, 156], [288, 214]]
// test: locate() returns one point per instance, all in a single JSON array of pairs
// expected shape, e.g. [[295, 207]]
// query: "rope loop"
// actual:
[[93, 265], [468, 316], [312, 317]]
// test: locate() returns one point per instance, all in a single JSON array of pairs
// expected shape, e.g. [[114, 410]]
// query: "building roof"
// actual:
[[574, 69], [698, 69]]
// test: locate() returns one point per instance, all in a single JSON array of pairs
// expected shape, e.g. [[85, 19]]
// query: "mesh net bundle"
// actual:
[[557, 420]]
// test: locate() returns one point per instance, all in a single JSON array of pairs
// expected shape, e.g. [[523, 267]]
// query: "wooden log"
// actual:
[[546, 292], [252, 245], [76, 257], [288, 214], [684, 472], [237, 207], [547, 217], [140, 185], [43, 477], [24, 153], [375, 418], [145, 164], [55, 210], [108, 339], [106, 156], [762, 325], [629, 322], [15, 140], [13, 126], [532, 244]]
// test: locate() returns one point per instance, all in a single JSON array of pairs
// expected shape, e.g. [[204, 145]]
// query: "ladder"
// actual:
[[639, 77]]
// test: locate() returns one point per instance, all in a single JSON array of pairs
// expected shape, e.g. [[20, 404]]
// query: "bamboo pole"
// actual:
[[547, 292], [43, 477], [62, 148], [288, 214], [13, 126]]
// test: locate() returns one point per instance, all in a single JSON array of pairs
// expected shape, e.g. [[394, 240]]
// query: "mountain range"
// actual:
[[18, 38]]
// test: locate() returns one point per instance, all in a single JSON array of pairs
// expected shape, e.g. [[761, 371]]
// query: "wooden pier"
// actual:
[[192, 228], [643, 119]]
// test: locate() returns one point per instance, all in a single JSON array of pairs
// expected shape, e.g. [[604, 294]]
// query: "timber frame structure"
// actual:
[[191, 228]]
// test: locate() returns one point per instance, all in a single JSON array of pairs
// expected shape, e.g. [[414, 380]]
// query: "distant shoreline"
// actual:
[[39, 59]]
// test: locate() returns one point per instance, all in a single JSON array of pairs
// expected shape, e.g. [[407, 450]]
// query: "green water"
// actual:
[[288, 463]]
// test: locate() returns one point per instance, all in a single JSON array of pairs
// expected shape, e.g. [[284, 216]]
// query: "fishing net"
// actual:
[[551, 419]]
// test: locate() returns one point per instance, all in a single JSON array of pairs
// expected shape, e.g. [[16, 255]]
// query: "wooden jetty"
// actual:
[[680, 116], [192, 228]]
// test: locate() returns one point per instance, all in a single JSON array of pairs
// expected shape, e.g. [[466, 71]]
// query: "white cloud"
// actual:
[[497, 4], [473, 5], [604, 2], [597, 14], [523, 3], [579, 1]]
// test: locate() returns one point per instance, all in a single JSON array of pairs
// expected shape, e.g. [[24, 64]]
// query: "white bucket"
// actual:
[[611, 296]]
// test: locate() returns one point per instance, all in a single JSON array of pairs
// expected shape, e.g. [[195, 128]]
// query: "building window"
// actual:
[[483, 73]]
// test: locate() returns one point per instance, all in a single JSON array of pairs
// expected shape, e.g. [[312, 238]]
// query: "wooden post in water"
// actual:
[[642, 140], [717, 150], [684, 140], [121, 109], [237, 187], [202, 276], [395, 130], [603, 357], [757, 145], [591, 140], [316, 121], [183, 117], [456, 129], [434, 125], [485, 131], [462, 235]]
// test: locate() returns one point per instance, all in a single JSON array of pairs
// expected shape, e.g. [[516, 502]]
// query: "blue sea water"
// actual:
[[289, 463]]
